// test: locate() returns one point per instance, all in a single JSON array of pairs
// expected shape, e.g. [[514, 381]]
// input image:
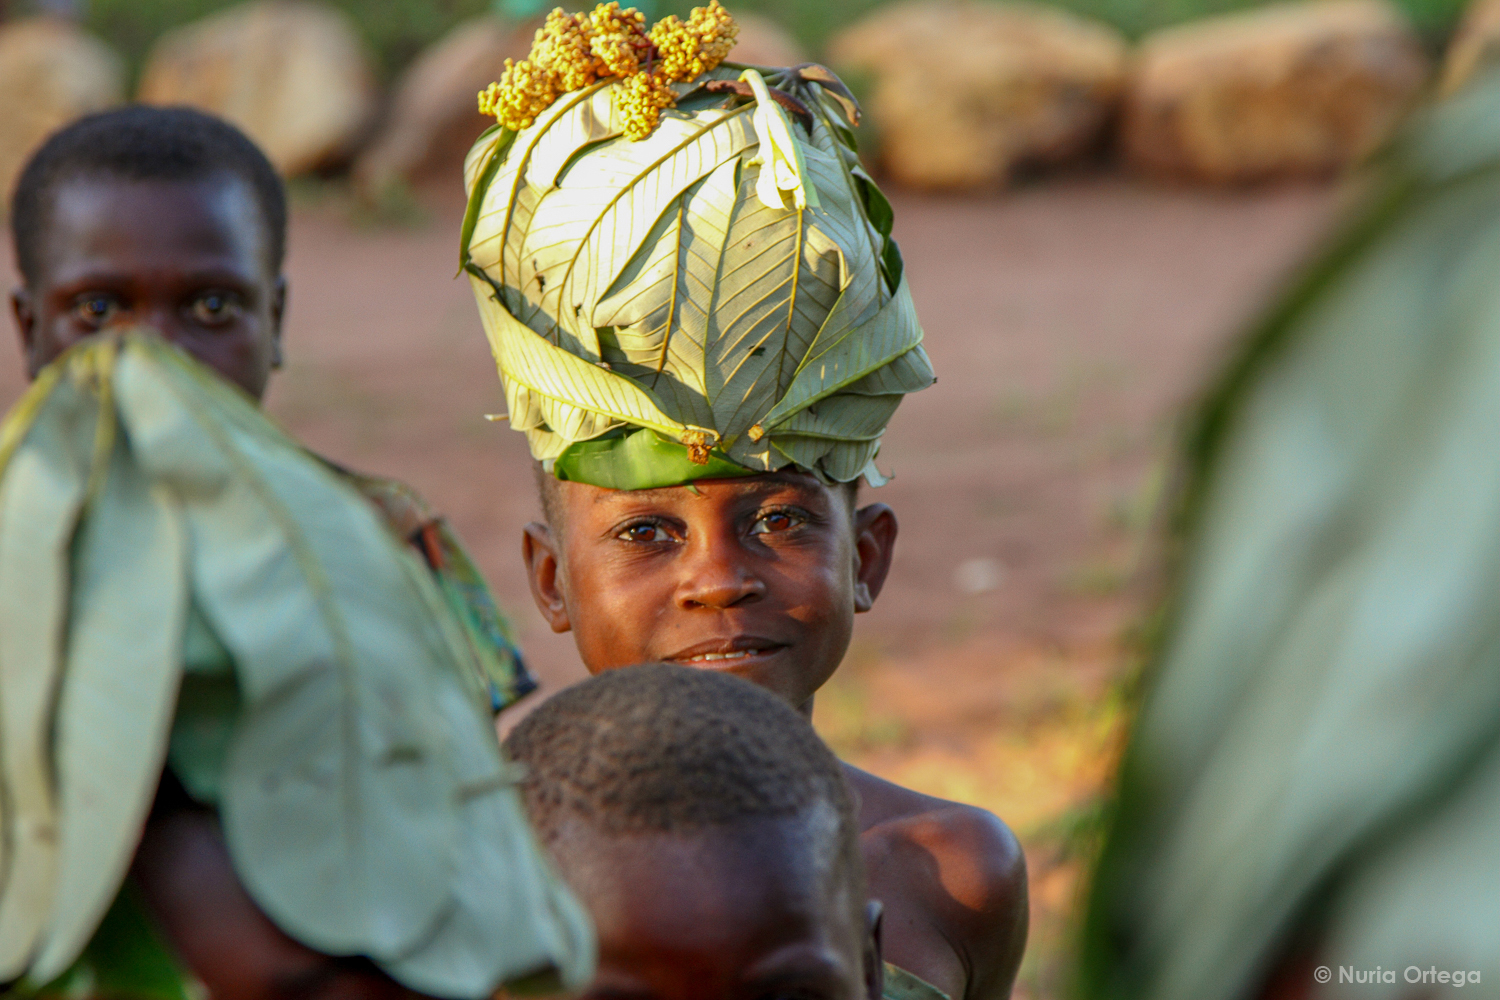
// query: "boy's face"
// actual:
[[186, 258], [759, 577], [748, 911]]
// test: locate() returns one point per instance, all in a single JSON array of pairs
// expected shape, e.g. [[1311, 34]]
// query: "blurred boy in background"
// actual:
[[195, 607], [173, 219]]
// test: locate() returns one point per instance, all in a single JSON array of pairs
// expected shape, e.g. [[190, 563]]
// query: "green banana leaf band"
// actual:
[[719, 298], [184, 586]]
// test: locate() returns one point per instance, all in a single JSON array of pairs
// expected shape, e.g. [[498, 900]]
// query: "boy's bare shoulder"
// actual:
[[956, 868]]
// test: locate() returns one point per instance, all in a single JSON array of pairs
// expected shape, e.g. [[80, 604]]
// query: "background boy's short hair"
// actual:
[[663, 749], [143, 143]]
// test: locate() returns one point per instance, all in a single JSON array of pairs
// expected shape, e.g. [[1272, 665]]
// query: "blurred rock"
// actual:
[[50, 74], [1475, 44], [1294, 89], [763, 42], [293, 75], [434, 116], [964, 90]]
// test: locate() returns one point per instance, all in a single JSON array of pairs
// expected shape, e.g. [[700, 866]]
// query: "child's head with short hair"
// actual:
[[702, 326], [709, 832], [163, 217]]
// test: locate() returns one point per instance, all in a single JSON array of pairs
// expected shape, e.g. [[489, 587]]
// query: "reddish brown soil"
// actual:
[[1068, 324]]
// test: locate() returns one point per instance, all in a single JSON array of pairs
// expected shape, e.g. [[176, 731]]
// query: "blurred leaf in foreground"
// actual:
[[155, 525], [1314, 776]]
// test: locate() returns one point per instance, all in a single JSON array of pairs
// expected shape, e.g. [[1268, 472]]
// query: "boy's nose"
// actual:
[[719, 594], [716, 580], [162, 319]]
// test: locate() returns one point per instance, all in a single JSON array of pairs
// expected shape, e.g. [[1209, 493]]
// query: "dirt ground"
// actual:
[[1069, 323]]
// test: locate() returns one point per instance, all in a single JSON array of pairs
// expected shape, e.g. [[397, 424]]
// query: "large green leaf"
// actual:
[[208, 708], [129, 600], [40, 496], [671, 265], [1313, 763], [125, 960], [554, 376], [638, 460], [506, 893], [335, 799], [845, 352], [479, 170], [342, 726]]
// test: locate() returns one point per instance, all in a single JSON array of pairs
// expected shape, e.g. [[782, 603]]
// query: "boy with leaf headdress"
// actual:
[[245, 730], [702, 326]]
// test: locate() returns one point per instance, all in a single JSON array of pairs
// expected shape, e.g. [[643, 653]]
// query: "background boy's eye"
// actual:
[[96, 310], [644, 533], [214, 308], [776, 520]]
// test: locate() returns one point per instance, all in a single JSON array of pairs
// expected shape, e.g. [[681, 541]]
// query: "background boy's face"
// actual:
[[187, 258], [759, 576], [745, 911]]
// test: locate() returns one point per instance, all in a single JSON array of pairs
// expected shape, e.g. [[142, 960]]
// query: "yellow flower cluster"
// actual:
[[619, 40], [689, 50], [572, 51], [525, 90], [641, 100], [564, 46]]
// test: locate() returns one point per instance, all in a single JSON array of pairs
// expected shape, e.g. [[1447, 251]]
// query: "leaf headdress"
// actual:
[[717, 294], [182, 583]]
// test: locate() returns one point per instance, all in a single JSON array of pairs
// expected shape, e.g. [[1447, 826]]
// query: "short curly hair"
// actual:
[[142, 143], [659, 748]]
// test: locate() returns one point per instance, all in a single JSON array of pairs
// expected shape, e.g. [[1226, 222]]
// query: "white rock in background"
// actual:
[[763, 42], [1294, 89], [50, 74], [965, 91], [1475, 44], [434, 115], [294, 76]]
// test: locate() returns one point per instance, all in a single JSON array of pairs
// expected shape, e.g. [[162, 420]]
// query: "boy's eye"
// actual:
[[776, 520], [215, 308], [96, 310], [644, 532]]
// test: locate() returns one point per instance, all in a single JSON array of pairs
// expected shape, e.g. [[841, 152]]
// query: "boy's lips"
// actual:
[[726, 650]]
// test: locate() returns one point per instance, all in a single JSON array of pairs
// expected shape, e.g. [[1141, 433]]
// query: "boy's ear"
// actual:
[[278, 310], [539, 550], [874, 543], [20, 305], [874, 958]]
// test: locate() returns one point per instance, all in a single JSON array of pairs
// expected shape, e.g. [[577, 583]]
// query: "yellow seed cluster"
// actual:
[[572, 51], [689, 50], [641, 101], [525, 90], [620, 41], [564, 47], [489, 99]]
